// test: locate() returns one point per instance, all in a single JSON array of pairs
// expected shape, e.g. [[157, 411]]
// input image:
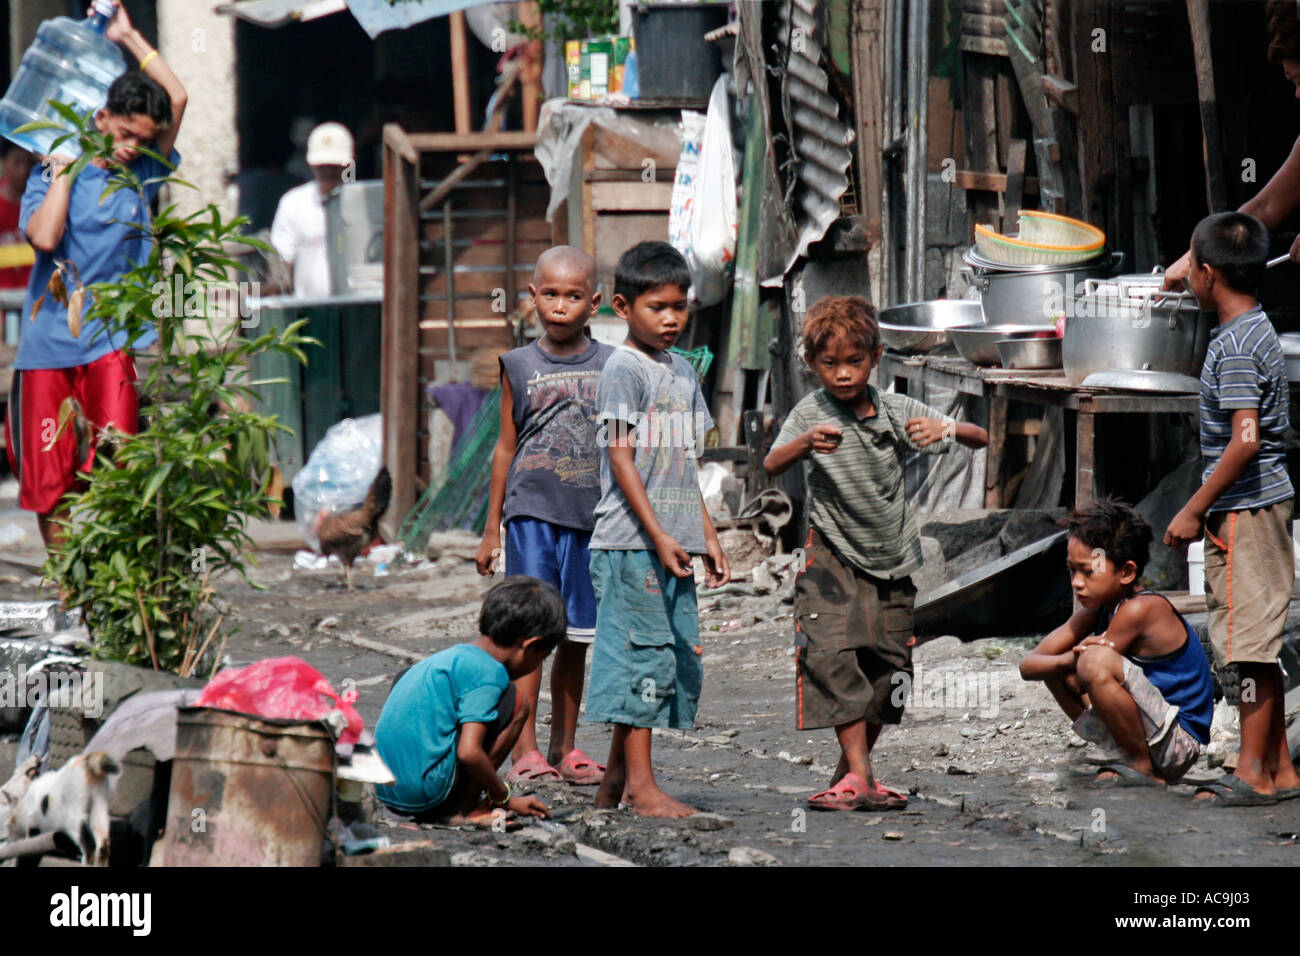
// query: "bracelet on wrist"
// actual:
[[504, 801], [148, 57]]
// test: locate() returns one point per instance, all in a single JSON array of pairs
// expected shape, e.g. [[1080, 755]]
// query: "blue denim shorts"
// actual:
[[559, 557], [646, 662]]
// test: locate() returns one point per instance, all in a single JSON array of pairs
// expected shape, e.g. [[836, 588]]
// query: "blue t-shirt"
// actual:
[[1245, 368], [99, 241], [418, 728]]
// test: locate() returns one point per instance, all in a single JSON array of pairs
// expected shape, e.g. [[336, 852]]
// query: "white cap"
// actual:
[[330, 144]]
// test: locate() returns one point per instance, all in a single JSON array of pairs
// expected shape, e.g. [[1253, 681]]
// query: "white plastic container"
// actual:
[[1196, 567]]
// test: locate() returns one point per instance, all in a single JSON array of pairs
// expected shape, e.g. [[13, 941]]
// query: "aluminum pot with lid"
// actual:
[[1032, 295], [1134, 325]]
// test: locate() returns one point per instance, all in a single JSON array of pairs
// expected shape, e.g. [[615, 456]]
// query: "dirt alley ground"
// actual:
[[1000, 781]]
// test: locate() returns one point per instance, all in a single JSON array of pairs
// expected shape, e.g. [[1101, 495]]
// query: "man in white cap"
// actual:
[[298, 231]]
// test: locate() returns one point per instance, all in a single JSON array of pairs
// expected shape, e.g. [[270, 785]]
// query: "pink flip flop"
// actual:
[[852, 793], [533, 768], [580, 770]]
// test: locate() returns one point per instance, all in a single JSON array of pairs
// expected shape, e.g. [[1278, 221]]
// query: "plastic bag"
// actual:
[[713, 209], [287, 688], [338, 473], [688, 169]]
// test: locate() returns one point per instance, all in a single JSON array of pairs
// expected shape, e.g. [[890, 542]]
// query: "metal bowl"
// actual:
[[922, 326], [978, 344], [1030, 353]]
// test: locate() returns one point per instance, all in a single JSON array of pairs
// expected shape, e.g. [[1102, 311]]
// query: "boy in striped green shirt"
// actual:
[[854, 597]]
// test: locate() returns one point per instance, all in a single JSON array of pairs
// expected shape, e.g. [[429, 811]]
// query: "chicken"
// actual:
[[347, 533]]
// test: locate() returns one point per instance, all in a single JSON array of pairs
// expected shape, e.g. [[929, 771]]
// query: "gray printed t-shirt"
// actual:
[[855, 493], [555, 474], [663, 403]]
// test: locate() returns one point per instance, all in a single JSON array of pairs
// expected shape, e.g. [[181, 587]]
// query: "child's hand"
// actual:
[[1185, 527], [673, 557], [488, 552], [823, 438], [1093, 640], [927, 431], [717, 571], [529, 806], [119, 27]]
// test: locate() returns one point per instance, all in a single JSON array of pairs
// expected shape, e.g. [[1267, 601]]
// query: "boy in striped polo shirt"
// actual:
[[854, 597], [1244, 503]]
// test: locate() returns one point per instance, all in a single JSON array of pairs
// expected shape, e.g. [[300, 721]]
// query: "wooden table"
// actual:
[[1049, 387]]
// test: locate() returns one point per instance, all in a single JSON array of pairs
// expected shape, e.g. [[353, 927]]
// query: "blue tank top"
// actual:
[[555, 474], [1183, 676]]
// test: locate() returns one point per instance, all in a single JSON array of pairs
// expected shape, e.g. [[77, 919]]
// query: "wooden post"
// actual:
[[996, 452], [460, 72], [868, 53], [530, 16], [1103, 123], [755, 476], [400, 352], [1216, 187], [1085, 470]]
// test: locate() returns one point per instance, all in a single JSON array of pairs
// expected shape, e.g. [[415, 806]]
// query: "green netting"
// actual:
[[460, 498], [701, 359]]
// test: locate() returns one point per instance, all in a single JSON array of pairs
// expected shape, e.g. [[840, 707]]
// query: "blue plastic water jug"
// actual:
[[70, 61]]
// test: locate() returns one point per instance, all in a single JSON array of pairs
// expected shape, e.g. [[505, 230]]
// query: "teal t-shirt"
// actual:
[[420, 723]]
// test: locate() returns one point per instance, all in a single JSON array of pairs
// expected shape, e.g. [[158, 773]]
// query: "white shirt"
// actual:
[[298, 234]]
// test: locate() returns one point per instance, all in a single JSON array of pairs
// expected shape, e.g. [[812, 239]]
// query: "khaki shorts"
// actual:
[[851, 642], [1173, 749], [1249, 574]]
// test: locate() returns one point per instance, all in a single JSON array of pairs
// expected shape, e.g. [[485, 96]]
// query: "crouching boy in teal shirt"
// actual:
[[451, 720]]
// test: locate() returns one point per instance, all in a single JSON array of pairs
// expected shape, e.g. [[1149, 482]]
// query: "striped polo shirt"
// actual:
[[855, 493], [1245, 368]]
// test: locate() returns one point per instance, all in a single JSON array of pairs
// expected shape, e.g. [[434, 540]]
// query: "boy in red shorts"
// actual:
[[67, 220]]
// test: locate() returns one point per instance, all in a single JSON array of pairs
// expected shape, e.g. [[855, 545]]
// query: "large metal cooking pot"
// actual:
[[1138, 328], [1032, 295]]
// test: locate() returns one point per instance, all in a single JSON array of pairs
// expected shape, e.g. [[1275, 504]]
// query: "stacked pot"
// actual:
[[1128, 324], [1035, 295]]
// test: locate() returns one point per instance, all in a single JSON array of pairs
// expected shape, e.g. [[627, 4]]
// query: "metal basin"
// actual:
[[1030, 353], [1024, 592], [978, 344], [1157, 333], [922, 326], [1032, 295]]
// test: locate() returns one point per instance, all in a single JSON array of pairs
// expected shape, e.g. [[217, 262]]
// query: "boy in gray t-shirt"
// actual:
[[645, 667]]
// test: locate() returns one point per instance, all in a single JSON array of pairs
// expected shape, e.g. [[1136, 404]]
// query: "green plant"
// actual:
[[165, 511], [573, 20]]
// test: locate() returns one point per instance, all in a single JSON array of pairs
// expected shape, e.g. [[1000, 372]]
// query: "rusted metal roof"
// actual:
[[821, 140]]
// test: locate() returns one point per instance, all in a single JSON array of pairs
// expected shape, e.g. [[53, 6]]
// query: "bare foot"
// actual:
[[482, 816], [656, 803], [610, 793]]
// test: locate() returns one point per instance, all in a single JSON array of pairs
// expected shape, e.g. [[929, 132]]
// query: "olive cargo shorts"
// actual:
[[852, 633]]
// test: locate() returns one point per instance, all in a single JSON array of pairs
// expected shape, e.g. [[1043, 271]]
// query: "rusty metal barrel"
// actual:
[[248, 791]]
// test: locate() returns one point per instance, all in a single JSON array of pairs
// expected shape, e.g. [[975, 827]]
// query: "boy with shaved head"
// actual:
[[545, 486]]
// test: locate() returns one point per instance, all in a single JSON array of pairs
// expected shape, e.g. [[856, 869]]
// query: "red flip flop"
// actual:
[[852, 793], [580, 770], [533, 768]]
